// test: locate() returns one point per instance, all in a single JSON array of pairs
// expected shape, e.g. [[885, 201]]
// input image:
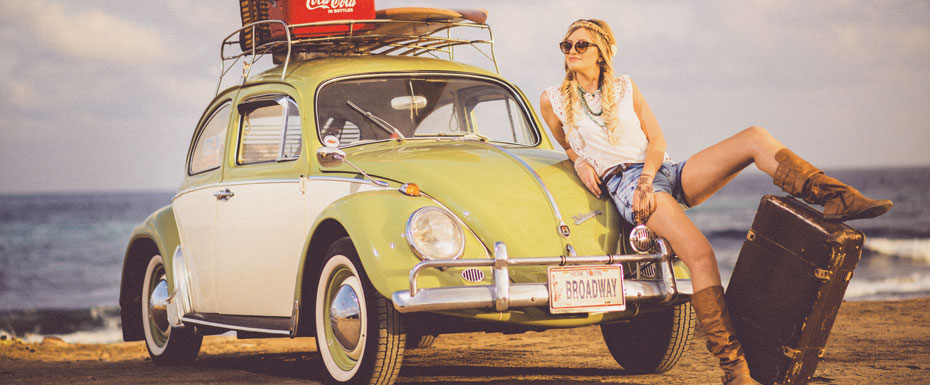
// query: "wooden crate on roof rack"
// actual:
[[252, 11], [410, 31]]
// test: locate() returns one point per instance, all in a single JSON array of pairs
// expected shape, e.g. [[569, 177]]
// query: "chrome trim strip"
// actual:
[[236, 327], [192, 189], [258, 181], [503, 295], [542, 185], [340, 179]]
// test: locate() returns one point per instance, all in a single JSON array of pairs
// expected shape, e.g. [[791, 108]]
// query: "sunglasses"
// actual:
[[580, 46]]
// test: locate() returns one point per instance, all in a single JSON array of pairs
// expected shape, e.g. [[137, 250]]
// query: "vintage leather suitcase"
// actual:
[[787, 287]]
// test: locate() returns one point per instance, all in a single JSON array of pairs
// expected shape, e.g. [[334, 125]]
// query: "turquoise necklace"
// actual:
[[587, 109]]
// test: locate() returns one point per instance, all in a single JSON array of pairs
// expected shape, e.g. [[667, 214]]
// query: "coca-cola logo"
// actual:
[[331, 5]]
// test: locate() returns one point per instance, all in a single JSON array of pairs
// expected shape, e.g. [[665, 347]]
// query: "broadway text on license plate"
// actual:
[[586, 289]]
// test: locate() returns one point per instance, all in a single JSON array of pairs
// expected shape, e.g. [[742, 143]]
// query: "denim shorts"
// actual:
[[668, 179]]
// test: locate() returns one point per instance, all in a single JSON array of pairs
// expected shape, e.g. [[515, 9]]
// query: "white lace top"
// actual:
[[589, 140]]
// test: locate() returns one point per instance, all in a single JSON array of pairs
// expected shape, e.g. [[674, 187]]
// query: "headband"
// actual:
[[597, 29]]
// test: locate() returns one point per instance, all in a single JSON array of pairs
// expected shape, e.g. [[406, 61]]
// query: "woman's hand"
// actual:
[[588, 176], [644, 199]]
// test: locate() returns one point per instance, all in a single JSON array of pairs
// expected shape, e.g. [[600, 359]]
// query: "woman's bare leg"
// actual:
[[670, 222], [712, 168]]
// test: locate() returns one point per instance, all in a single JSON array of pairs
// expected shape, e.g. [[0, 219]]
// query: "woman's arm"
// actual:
[[644, 200], [584, 170]]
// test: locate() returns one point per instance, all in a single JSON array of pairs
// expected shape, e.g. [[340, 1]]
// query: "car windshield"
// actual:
[[370, 109]]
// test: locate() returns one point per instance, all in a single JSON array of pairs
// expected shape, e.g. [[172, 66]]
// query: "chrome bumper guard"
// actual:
[[503, 295]]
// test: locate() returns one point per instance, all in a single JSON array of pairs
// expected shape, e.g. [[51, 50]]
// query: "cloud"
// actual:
[[108, 92], [92, 35]]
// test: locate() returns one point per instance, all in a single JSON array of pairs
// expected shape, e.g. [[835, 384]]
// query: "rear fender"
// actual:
[[157, 235]]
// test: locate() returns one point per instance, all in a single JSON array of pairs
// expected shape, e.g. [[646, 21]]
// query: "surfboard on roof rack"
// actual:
[[408, 31]]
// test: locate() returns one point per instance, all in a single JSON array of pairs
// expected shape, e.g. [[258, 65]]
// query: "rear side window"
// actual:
[[269, 130], [208, 149]]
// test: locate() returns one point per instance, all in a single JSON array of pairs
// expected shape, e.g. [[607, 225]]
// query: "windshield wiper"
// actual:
[[463, 135], [377, 120]]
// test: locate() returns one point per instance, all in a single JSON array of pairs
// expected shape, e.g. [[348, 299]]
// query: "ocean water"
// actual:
[[61, 254]]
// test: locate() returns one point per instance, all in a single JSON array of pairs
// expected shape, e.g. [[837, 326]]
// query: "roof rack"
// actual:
[[388, 37]]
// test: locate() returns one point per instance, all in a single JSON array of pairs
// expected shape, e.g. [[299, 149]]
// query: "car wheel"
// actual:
[[358, 333], [418, 341], [166, 345], [652, 342]]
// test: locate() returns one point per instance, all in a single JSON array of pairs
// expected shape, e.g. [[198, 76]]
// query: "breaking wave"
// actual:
[[909, 286], [913, 249]]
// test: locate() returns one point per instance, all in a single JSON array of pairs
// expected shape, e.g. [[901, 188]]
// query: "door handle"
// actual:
[[224, 195]]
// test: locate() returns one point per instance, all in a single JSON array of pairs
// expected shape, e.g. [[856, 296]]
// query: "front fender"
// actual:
[[158, 234], [376, 222]]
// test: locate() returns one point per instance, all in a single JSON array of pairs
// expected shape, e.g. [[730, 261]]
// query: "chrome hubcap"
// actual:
[[345, 319], [158, 306]]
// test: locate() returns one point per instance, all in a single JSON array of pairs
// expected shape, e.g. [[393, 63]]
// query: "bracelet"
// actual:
[[579, 161]]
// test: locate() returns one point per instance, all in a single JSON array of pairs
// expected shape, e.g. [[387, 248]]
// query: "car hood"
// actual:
[[497, 192]]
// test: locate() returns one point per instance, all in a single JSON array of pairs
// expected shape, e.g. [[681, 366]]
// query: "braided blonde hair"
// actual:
[[604, 40]]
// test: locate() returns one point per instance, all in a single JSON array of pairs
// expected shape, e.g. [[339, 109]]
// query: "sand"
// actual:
[[872, 342]]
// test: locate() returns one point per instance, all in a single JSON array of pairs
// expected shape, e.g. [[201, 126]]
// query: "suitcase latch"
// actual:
[[790, 352], [822, 274]]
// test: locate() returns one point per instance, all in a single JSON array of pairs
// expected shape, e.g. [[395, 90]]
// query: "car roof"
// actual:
[[310, 73]]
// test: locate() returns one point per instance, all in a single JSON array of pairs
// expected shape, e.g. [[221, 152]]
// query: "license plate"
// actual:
[[586, 289]]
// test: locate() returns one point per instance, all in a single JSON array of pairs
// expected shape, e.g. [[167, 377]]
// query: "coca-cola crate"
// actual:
[[308, 11]]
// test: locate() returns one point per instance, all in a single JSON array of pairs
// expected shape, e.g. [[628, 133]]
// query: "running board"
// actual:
[[255, 324]]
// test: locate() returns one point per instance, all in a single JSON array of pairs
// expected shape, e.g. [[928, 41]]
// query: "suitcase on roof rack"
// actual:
[[787, 287]]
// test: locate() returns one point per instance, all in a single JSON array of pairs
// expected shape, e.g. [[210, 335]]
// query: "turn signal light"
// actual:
[[410, 189]]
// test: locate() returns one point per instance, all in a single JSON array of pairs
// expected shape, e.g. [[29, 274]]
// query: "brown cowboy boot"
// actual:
[[711, 311], [840, 202]]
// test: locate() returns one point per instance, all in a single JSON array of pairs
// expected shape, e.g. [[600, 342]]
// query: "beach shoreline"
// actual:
[[874, 342]]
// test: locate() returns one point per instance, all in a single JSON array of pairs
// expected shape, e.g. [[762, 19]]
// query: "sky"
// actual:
[[104, 95]]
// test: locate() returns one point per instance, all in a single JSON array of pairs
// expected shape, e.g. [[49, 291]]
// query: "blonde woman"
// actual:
[[611, 135]]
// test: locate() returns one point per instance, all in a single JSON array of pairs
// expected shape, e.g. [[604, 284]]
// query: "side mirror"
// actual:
[[330, 157]]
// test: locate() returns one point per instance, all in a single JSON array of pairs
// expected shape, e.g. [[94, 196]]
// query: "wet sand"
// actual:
[[872, 342]]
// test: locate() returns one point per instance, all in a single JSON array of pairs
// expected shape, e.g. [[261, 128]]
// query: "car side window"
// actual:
[[208, 148], [501, 120], [269, 130]]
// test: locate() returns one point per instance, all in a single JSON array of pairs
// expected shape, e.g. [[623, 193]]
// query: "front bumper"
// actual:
[[503, 295]]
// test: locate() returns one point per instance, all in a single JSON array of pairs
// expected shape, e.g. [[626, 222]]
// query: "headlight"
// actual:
[[434, 233]]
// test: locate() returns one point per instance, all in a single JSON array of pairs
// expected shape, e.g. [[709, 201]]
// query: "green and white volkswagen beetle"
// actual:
[[365, 194]]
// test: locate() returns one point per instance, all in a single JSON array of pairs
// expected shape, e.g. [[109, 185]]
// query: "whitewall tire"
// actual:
[[358, 333], [166, 344]]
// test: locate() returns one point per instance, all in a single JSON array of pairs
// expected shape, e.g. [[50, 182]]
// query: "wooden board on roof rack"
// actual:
[[433, 14], [418, 15]]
